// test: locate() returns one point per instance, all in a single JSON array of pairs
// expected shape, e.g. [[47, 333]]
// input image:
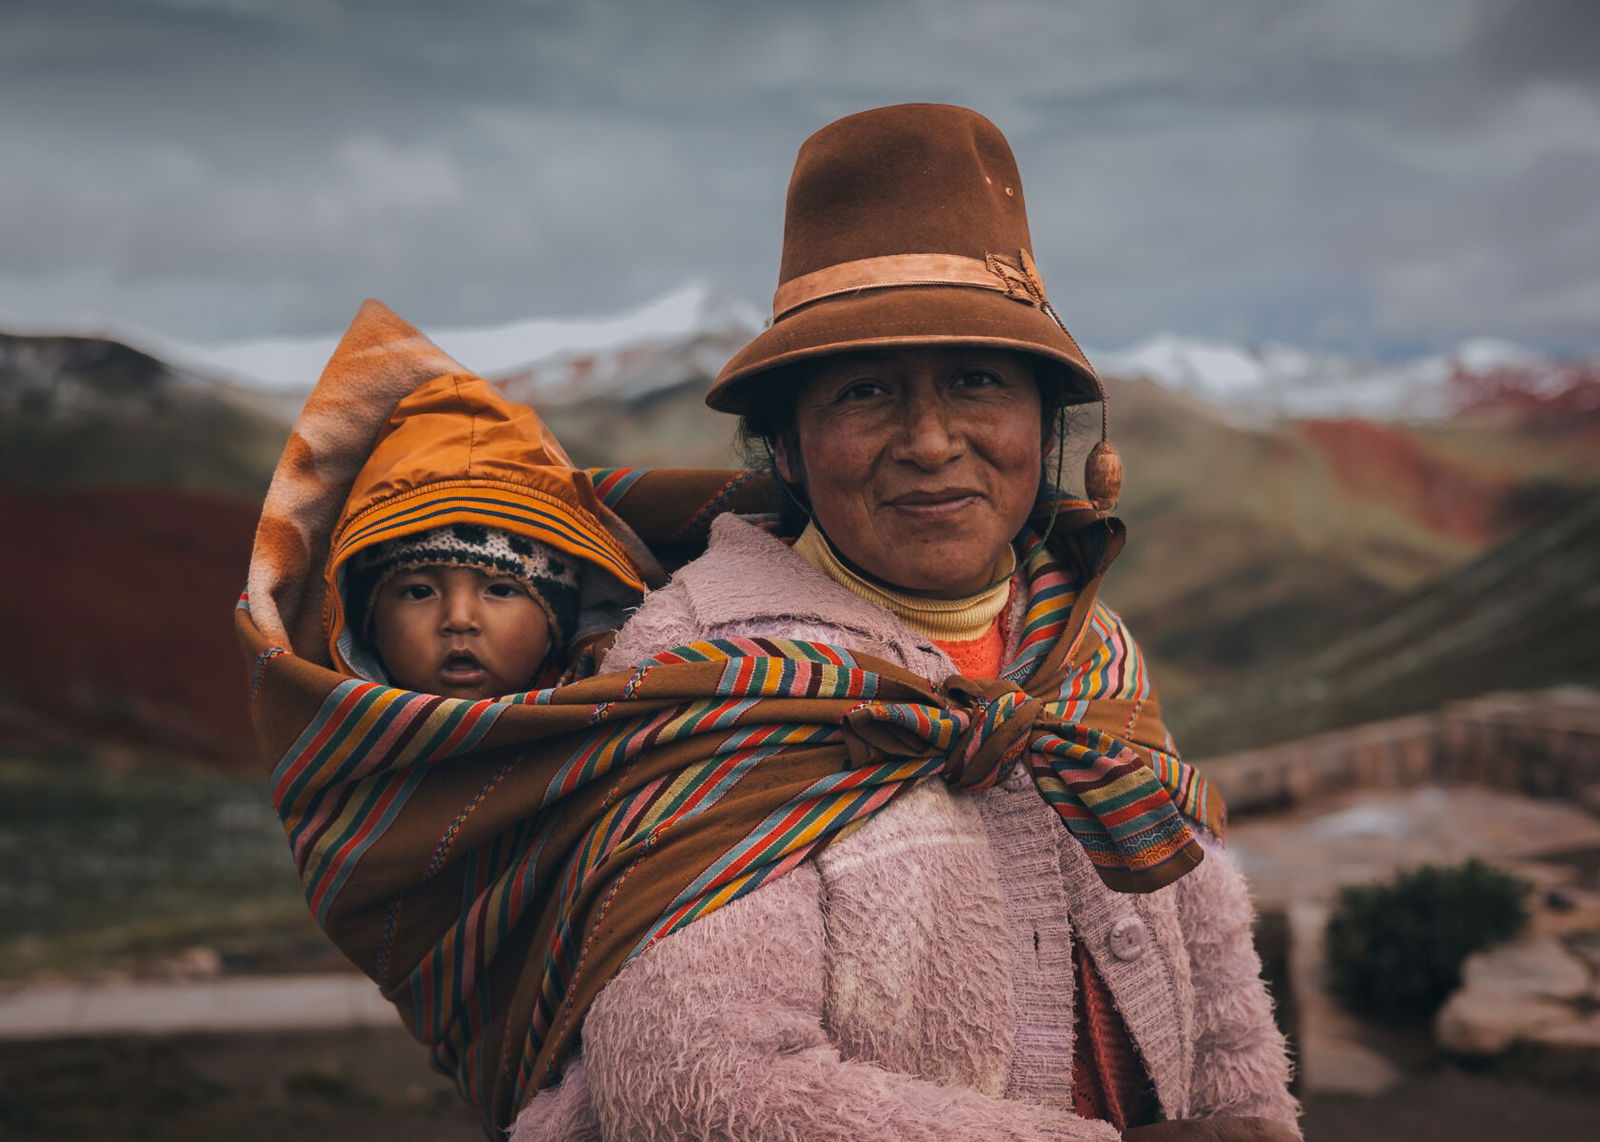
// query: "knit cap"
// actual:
[[552, 576]]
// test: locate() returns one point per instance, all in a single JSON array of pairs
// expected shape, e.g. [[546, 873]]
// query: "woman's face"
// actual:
[[921, 463]]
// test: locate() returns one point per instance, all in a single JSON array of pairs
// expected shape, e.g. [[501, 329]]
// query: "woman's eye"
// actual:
[[977, 379], [862, 390]]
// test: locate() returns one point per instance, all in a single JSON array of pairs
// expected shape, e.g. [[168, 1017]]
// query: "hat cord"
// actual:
[[1102, 471]]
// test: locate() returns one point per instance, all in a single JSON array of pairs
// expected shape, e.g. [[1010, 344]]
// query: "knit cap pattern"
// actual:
[[551, 575]]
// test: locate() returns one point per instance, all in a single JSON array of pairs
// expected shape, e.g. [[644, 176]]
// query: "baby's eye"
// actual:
[[506, 588], [416, 591]]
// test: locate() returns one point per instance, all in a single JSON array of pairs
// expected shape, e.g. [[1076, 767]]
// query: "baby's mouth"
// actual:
[[462, 668]]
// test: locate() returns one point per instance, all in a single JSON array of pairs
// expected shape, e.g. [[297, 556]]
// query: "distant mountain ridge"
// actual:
[[1276, 380], [562, 361], [1523, 615], [82, 409], [554, 360]]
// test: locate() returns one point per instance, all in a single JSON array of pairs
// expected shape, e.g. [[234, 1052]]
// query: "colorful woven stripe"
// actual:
[[1115, 669], [492, 864], [611, 484]]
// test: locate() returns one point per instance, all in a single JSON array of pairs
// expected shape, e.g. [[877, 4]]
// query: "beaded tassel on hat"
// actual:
[[1102, 471]]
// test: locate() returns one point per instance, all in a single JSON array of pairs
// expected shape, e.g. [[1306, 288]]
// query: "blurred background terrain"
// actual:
[[1334, 260], [1292, 530], [1302, 578]]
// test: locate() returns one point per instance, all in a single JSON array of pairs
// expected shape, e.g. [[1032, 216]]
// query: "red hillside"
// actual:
[[1382, 463], [117, 618]]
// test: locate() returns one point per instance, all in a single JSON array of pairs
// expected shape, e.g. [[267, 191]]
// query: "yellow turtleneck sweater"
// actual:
[[943, 620]]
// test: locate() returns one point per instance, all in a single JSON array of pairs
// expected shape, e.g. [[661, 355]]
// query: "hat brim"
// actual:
[[906, 315]]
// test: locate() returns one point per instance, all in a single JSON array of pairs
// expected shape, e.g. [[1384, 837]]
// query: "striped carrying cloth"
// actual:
[[493, 864]]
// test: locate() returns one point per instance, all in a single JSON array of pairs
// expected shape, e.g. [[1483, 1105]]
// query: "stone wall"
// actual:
[[1542, 743]]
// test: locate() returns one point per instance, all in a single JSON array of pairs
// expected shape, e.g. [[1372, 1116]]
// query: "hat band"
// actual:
[[1019, 281]]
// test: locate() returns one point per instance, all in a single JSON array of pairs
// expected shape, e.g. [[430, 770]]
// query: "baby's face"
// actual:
[[460, 632]]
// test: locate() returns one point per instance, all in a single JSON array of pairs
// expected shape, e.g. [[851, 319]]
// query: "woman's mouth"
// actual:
[[934, 504]]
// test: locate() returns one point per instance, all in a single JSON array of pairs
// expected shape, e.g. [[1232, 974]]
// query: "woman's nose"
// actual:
[[928, 436]]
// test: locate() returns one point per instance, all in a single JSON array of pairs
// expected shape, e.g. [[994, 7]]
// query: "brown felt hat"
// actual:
[[906, 226]]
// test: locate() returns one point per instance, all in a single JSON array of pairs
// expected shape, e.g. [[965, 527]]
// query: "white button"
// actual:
[[1017, 778], [1128, 938]]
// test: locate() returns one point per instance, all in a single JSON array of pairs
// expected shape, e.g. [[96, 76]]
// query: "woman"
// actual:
[[958, 965]]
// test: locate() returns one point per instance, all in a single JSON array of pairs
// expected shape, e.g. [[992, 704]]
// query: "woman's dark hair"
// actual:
[[769, 419]]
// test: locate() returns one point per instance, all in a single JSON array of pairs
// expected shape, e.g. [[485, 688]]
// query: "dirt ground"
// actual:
[[243, 1088], [376, 1084], [1451, 1105]]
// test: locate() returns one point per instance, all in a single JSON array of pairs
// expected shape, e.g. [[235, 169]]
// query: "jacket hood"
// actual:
[[456, 451]]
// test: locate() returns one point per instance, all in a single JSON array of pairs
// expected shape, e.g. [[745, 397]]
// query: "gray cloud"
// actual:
[[1351, 173]]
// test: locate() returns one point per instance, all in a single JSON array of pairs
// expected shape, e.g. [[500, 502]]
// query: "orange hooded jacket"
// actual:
[[456, 451]]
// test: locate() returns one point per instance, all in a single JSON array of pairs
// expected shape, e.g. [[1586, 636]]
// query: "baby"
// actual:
[[471, 559], [467, 611]]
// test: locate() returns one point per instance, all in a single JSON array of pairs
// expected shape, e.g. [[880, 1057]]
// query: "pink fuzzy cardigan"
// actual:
[[914, 981]]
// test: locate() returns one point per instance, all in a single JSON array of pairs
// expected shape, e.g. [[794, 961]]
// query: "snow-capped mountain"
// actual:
[[688, 334], [1281, 380], [551, 360]]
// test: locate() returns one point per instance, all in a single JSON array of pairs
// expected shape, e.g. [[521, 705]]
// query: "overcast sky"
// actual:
[[1382, 176]]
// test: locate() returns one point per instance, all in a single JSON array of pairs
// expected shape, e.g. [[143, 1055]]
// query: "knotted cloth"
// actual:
[[492, 864]]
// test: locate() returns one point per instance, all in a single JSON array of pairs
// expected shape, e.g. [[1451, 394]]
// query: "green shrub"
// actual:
[[1395, 950]]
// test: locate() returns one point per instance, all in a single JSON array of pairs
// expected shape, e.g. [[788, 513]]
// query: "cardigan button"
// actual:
[[1017, 778], [1129, 938]]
